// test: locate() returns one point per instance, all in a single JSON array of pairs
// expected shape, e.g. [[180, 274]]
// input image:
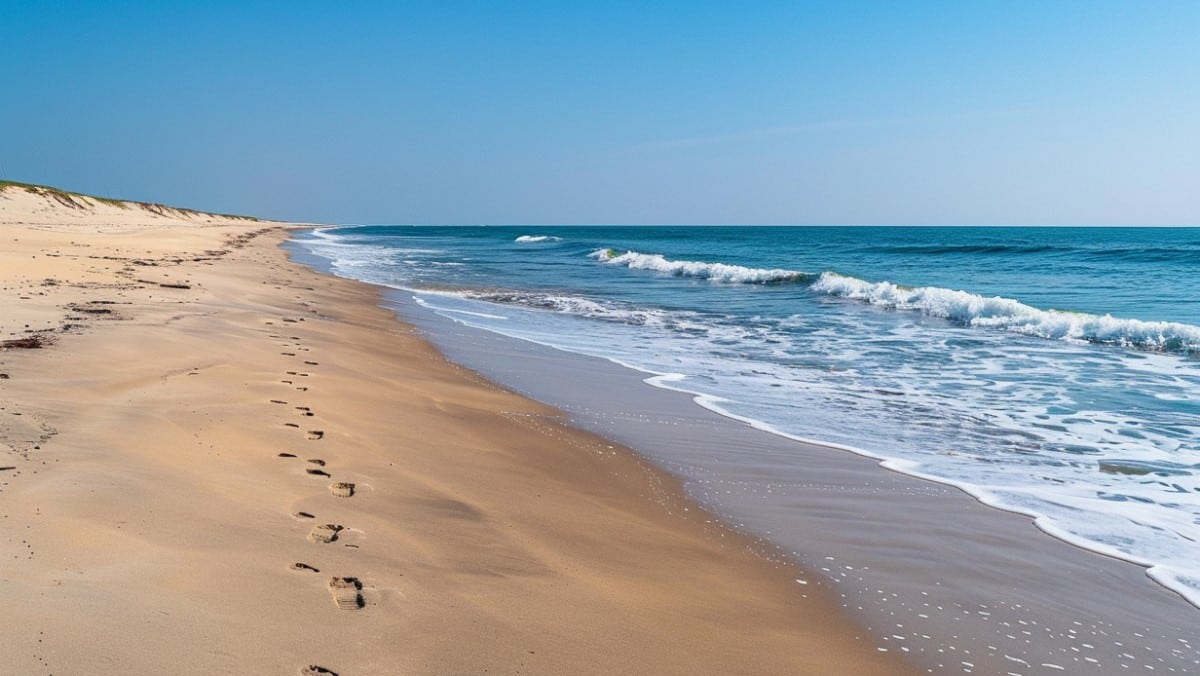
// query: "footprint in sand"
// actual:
[[305, 411], [325, 533], [316, 471], [304, 567], [304, 515], [345, 592], [314, 670], [311, 363], [315, 434], [278, 401], [286, 455], [316, 461], [341, 489]]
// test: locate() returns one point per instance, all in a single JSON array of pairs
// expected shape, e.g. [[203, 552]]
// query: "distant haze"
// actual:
[[616, 112]]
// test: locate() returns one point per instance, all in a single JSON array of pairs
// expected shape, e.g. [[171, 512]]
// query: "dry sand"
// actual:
[[222, 462]]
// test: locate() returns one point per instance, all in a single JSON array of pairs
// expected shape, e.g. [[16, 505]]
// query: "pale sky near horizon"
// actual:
[[1080, 112]]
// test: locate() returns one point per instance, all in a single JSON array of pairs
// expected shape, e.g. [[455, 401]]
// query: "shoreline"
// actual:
[[968, 585], [164, 467]]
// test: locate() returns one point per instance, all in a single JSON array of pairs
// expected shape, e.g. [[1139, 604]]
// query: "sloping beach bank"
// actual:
[[217, 461]]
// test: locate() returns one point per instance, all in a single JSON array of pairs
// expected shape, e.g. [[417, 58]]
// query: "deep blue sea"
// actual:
[[1049, 371]]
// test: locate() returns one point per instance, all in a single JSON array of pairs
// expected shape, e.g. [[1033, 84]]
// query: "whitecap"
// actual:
[[713, 272], [1011, 315]]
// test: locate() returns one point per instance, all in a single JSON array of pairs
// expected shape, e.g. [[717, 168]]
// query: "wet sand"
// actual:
[[953, 585], [213, 460]]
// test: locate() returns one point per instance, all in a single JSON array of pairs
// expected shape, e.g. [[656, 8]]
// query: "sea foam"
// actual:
[[961, 307], [537, 239], [713, 272], [1011, 315], [1096, 445]]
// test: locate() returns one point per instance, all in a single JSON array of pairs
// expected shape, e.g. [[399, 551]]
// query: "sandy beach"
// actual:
[[216, 461]]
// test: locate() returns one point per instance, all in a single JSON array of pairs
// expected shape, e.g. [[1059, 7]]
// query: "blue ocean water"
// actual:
[[1049, 371]]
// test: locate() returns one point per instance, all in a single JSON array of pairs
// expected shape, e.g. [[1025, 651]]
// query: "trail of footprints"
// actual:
[[345, 591]]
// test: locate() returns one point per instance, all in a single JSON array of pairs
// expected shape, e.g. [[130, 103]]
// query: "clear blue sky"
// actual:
[[614, 112]]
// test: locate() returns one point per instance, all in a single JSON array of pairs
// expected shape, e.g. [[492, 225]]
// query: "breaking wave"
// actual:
[[713, 272], [961, 307], [1007, 314], [536, 239]]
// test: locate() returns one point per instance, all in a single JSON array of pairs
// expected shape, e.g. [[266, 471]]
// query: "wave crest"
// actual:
[[537, 239], [1011, 315], [713, 272]]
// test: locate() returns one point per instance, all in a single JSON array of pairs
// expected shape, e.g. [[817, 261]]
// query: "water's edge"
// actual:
[[882, 538]]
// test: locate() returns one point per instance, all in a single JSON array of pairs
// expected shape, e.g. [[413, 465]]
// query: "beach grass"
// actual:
[[73, 200]]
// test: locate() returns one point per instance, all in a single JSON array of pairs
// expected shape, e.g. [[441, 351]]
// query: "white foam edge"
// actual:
[[483, 315], [1160, 574]]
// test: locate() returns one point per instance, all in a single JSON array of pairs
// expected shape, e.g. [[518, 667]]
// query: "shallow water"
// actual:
[[931, 573], [1049, 371]]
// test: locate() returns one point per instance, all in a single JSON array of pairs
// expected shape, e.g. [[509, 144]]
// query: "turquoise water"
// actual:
[[1049, 371]]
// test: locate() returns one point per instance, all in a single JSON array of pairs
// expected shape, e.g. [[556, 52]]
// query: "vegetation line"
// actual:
[[76, 200]]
